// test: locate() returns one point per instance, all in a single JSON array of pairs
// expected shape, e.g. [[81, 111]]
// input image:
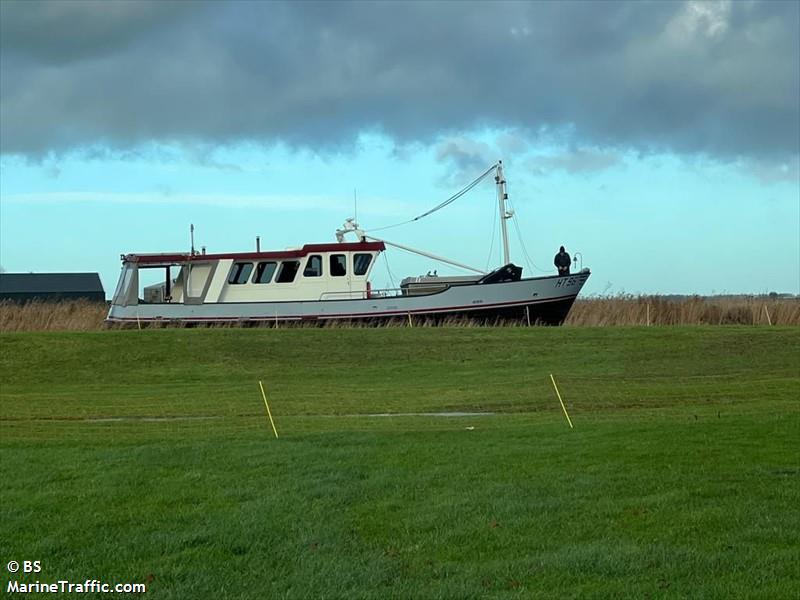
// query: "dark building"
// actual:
[[23, 287]]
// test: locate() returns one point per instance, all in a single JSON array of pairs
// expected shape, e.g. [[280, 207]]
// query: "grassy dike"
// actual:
[[146, 456]]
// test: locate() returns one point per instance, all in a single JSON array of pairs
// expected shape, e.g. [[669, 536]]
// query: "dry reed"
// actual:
[[587, 312], [69, 315], [694, 310]]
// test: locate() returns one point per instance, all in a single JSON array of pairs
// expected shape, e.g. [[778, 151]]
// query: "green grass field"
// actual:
[[146, 456]]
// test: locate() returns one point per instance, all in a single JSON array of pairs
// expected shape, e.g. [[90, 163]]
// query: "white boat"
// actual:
[[324, 282]]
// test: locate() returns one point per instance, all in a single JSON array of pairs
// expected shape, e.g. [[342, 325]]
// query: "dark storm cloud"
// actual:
[[697, 77], [66, 30]]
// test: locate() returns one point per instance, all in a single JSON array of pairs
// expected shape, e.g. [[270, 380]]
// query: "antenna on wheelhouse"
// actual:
[[191, 237], [502, 196]]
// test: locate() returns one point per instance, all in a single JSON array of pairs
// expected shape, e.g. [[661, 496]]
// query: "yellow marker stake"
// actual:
[[560, 400], [269, 414]]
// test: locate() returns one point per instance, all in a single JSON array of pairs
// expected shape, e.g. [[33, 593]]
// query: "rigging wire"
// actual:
[[389, 270], [528, 260], [441, 205], [495, 225], [531, 265]]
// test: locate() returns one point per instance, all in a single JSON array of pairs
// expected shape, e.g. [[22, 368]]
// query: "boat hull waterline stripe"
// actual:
[[367, 315]]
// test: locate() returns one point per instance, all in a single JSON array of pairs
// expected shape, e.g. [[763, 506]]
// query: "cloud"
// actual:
[[719, 79], [373, 206], [45, 32], [700, 18], [774, 172], [574, 162], [511, 143], [465, 158], [165, 196], [464, 152]]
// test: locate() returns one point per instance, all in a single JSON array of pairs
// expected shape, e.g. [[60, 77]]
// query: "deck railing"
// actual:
[[362, 295]]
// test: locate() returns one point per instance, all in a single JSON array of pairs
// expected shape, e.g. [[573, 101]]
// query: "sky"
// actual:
[[658, 141]]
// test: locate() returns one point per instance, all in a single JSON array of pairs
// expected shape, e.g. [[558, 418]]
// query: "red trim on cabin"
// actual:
[[158, 259]]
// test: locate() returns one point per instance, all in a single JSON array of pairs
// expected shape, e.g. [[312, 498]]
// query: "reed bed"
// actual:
[[587, 312], [69, 315], [695, 310]]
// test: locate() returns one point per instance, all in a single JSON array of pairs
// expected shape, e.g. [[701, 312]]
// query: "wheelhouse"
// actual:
[[312, 273]]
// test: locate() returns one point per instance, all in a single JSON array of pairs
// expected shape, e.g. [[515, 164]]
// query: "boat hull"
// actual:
[[541, 300]]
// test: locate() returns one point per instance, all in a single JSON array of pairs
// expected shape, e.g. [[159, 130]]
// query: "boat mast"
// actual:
[[502, 196]]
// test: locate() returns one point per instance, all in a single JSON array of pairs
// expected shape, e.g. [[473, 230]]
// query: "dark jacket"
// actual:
[[562, 260]]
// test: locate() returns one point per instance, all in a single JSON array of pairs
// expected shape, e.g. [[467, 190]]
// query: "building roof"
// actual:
[[39, 283]]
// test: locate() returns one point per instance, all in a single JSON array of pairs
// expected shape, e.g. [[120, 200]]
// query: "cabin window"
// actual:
[[264, 272], [361, 263], [313, 266], [338, 265], [287, 271], [240, 272]]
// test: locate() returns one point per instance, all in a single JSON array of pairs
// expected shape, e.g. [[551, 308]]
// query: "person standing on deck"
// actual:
[[562, 262]]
